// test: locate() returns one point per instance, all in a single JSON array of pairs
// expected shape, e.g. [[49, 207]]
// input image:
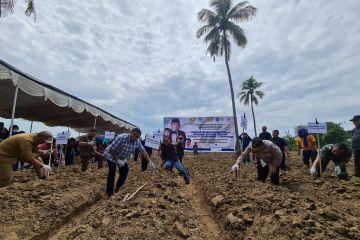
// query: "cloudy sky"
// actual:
[[141, 61]]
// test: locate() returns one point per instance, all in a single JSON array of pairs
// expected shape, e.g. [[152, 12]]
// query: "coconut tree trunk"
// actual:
[[237, 143], [252, 110]]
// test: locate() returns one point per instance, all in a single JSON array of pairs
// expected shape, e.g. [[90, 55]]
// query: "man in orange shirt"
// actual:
[[307, 143]]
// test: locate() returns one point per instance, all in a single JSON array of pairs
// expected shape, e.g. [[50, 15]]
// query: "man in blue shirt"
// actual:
[[356, 143], [118, 152]]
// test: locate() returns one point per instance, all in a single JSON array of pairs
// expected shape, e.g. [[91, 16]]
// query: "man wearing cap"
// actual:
[[356, 143], [22, 147], [175, 130], [269, 159]]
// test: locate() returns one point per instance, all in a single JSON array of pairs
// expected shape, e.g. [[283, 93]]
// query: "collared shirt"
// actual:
[[20, 146], [87, 149], [268, 152], [123, 147], [355, 138], [327, 155]]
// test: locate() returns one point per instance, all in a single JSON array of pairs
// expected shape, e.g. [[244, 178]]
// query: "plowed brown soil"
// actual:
[[216, 204]]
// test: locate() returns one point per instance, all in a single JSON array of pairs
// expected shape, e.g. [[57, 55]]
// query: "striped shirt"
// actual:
[[122, 147]]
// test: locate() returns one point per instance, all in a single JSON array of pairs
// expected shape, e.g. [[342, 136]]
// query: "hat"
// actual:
[[355, 118]]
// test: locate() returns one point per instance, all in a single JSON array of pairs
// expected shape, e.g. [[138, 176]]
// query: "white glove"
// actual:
[[338, 170], [152, 168], [235, 167], [121, 163], [313, 171], [92, 143], [47, 168]]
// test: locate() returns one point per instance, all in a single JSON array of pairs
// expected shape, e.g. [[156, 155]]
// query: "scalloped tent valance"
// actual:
[[39, 101]]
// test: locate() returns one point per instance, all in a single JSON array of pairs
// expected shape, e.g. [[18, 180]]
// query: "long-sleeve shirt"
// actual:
[[268, 152], [123, 147], [18, 147], [356, 138], [168, 152]]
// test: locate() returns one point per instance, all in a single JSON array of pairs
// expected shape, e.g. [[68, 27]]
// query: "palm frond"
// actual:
[[237, 6], [30, 9], [255, 100], [221, 6], [225, 46], [214, 47], [205, 14], [243, 14], [6, 7], [260, 94], [213, 34], [203, 30], [237, 34]]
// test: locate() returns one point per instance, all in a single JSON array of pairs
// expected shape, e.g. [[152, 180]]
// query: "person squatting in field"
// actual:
[[269, 158], [338, 153], [22, 147], [170, 159]]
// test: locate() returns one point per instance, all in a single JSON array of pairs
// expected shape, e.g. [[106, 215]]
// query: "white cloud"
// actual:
[[140, 60]]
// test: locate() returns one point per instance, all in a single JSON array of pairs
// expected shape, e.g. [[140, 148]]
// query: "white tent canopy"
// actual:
[[27, 97]]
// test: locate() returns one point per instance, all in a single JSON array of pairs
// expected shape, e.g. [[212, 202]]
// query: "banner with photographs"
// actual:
[[211, 134]]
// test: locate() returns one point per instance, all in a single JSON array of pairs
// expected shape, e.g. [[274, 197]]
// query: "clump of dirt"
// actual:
[[301, 207]]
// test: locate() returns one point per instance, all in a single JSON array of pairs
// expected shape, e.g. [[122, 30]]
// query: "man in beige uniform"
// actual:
[[22, 147], [87, 150]]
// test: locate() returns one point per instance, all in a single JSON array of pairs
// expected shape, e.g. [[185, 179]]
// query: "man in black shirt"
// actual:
[[170, 159], [265, 135], [282, 144], [144, 162]]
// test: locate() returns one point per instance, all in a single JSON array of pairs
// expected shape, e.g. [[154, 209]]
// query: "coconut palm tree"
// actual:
[[249, 93], [7, 7], [220, 26]]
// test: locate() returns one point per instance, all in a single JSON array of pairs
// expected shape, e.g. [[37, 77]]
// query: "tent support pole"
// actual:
[[95, 123], [13, 110], [31, 126]]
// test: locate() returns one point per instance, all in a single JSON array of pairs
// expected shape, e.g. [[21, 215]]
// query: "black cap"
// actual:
[[175, 120], [355, 118], [256, 142]]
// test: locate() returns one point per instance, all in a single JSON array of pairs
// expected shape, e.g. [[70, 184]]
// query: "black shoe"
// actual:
[[187, 182]]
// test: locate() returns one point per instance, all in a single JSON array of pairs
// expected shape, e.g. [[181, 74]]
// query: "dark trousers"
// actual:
[[144, 164], [100, 159], [111, 177], [136, 155], [196, 153], [263, 172], [180, 156], [283, 165], [309, 154], [85, 163], [357, 162]]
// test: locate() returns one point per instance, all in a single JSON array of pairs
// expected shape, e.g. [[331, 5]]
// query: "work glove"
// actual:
[[235, 167], [338, 170], [152, 168], [121, 163], [47, 168], [92, 143], [313, 171]]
